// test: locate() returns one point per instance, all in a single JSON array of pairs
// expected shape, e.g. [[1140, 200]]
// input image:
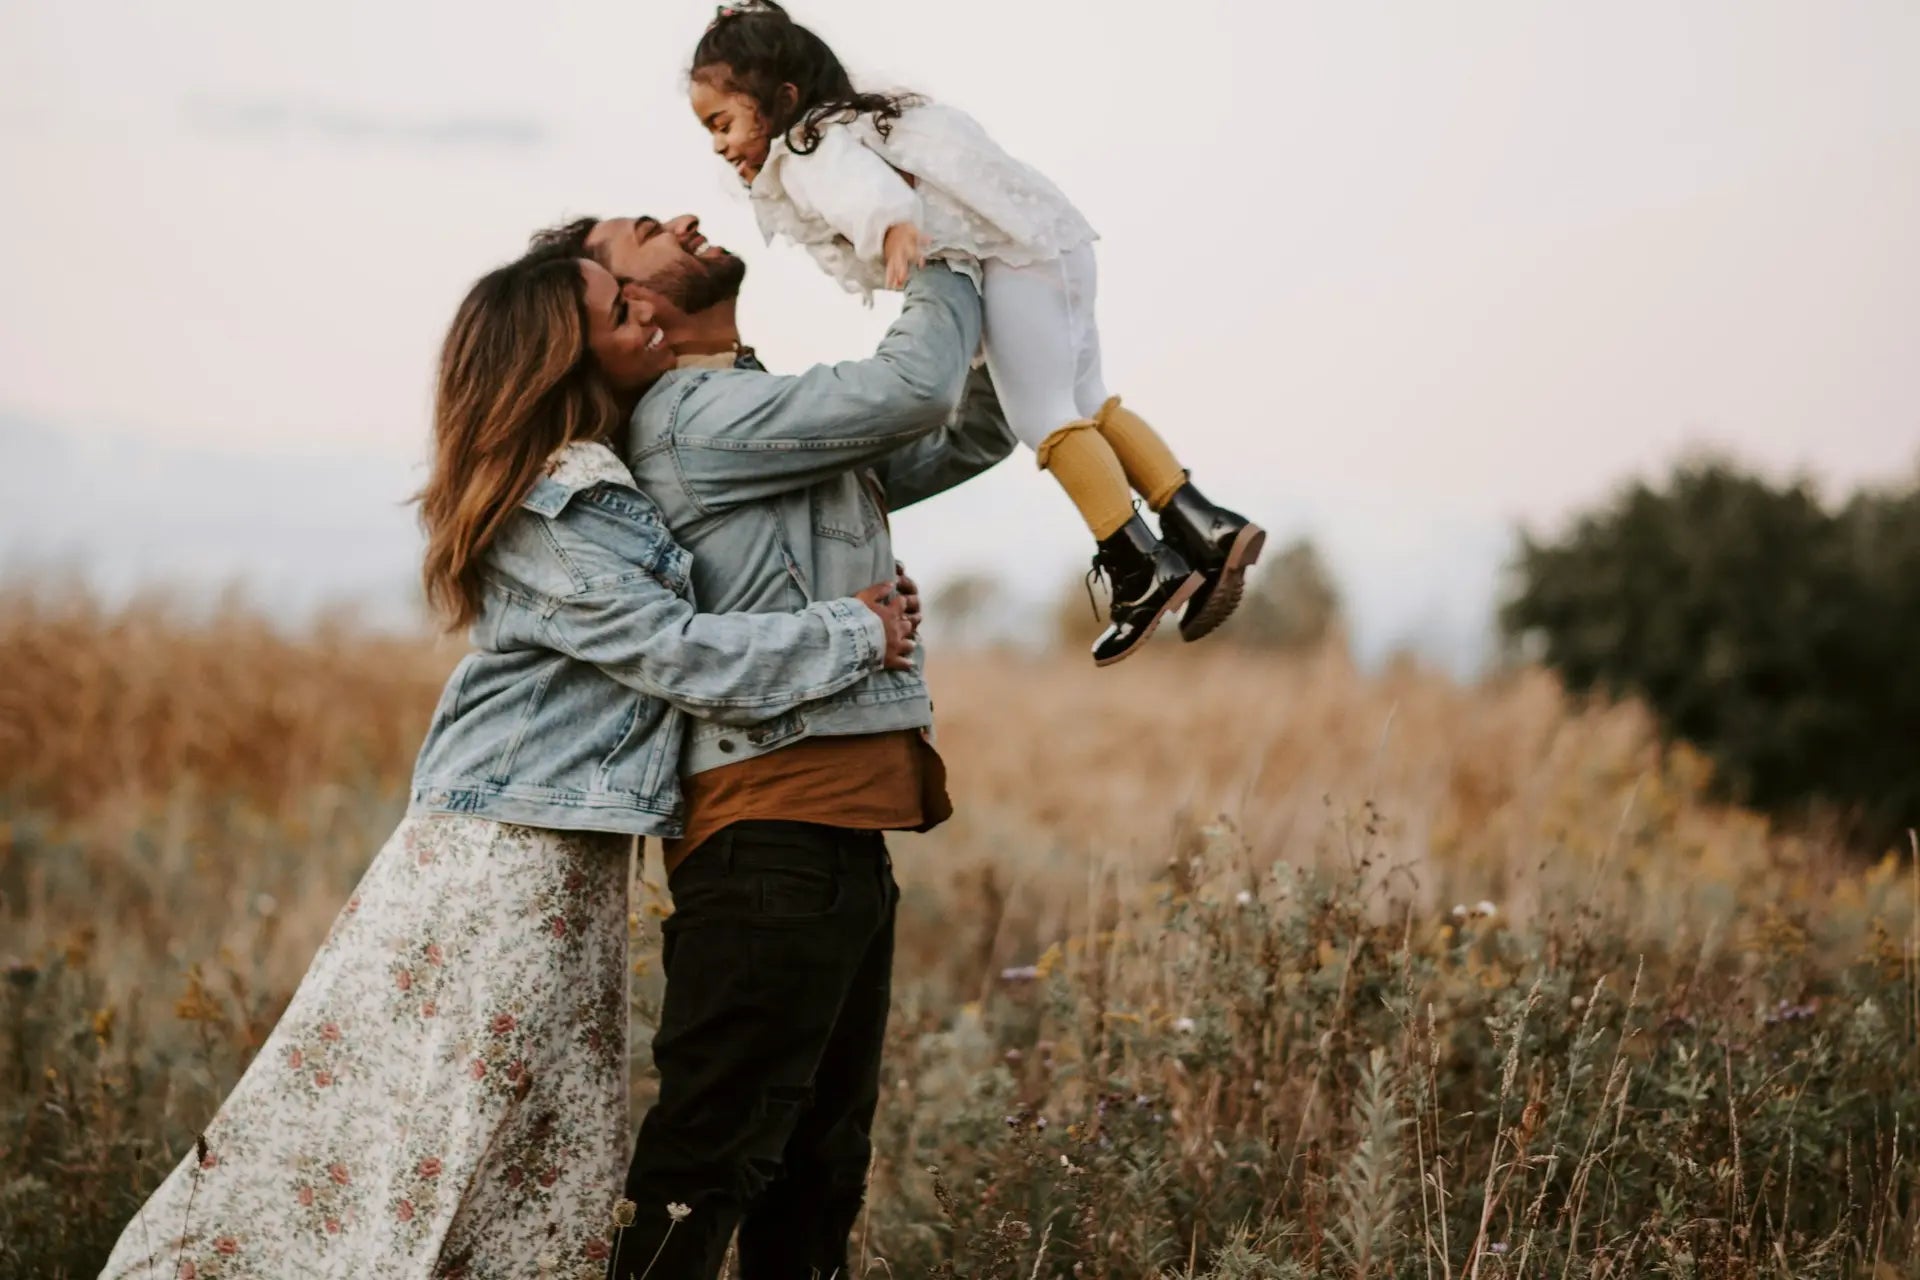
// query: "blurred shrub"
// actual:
[[1772, 632]]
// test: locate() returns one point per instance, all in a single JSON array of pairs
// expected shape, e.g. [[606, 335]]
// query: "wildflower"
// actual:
[[1013, 1056], [1183, 1025], [1497, 1248], [265, 903], [1459, 911], [1020, 973], [1483, 909], [678, 1212], [1048, 960], [1244, 897], [623, 1211]]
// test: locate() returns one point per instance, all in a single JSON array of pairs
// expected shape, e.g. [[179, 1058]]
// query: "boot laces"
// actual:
[[1097, 572]]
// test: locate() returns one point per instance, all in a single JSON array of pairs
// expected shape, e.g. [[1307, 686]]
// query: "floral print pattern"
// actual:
[[446, 1094]]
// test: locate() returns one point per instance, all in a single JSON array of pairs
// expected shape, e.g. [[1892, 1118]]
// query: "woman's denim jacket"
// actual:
[[589, 657]]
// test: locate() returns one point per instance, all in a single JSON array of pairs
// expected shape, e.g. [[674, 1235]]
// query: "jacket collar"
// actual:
[[575, 468]]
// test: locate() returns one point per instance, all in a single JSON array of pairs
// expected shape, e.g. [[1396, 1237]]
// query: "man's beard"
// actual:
[[704, 282]]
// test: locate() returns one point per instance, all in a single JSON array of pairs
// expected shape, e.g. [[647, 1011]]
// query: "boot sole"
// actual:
[[1179, 598], [1241, 556]]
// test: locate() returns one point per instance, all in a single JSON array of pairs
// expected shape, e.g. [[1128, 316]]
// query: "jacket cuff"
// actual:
[[862, 629]]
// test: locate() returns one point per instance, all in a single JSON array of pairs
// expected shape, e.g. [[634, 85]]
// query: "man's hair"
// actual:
[[569, 239]]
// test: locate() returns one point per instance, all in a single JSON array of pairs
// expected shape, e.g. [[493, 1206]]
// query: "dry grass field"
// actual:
[[1231, 965]]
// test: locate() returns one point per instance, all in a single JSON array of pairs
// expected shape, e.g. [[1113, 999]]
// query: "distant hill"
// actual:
[[122, 513], [296, 534]]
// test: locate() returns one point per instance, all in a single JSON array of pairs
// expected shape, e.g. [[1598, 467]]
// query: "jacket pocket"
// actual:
[[844, 509]]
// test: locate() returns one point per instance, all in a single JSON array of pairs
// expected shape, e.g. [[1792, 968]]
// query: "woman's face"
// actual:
[[629, 347], [734, 122]]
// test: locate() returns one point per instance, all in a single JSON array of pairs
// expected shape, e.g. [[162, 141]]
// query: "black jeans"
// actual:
[[778, 956]]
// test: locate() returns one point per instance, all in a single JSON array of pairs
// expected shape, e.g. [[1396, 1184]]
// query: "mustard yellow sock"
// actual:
[[1085, 467], [1150, 466]]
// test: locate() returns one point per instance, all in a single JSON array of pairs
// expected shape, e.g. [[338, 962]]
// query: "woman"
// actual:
[[446, 1093]]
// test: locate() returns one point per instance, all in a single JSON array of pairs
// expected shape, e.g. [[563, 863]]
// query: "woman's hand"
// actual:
[[905, 249], [885, 600]]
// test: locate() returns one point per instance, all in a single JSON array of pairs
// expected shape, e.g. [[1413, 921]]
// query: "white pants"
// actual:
[[1043, 348]]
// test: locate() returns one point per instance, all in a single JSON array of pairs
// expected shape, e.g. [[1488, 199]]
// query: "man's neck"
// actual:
[[707, 332]]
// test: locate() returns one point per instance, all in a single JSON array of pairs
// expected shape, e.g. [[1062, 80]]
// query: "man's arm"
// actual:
[[970, 442], [741, 437]]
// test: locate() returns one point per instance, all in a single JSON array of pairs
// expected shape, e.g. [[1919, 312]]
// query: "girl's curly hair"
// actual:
[[755, 48]]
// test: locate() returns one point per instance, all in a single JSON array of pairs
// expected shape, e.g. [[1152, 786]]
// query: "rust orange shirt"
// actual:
[[868, 782]]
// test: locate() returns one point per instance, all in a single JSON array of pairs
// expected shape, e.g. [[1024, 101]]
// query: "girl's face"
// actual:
[[734, 121]]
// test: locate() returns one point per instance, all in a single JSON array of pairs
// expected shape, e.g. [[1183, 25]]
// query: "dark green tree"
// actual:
[[1775, 634]]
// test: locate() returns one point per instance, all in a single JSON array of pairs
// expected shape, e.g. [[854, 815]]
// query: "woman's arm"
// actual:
[[734, 668]]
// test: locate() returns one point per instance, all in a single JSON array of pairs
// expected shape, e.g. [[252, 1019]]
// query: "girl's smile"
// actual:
[[734, 122]]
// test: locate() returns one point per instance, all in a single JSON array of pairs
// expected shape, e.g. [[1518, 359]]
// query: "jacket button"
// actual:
[[726, 745]]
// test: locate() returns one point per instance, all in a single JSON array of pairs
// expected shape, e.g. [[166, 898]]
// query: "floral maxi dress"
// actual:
[[446, 1094]]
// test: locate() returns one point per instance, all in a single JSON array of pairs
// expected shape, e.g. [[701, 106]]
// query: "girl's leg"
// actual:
[[1221, 544], [1032, 323], [1150, 466]]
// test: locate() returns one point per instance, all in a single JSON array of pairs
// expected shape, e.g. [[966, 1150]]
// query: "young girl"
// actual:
[[872, 184]]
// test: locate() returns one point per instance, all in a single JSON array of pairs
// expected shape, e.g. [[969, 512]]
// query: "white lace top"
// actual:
[[970, 198], [581, 464]]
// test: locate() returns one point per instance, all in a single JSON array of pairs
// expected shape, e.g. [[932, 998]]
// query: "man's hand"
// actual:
[[910, 594], [905, 249], [891, 607]]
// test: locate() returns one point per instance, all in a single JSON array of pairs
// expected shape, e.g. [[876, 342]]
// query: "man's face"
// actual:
[[671, 258]]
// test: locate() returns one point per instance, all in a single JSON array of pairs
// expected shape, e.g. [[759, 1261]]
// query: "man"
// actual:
[[779, 952]]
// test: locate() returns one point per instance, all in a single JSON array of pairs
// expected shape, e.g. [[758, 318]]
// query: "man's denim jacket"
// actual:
[[780, 486], [589, 658]]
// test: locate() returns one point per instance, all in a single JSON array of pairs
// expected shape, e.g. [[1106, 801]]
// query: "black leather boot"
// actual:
[[1221, 544], [1147, 578]]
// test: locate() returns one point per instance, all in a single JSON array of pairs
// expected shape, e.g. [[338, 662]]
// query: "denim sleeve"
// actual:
[[734, 668], [740, 437], [972, 441]]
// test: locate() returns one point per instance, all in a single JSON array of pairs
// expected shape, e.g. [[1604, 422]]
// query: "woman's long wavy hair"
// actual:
[[755, 48], [516, 383]]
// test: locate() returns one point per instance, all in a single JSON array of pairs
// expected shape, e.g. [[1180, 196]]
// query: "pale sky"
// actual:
[[1394, 274]]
